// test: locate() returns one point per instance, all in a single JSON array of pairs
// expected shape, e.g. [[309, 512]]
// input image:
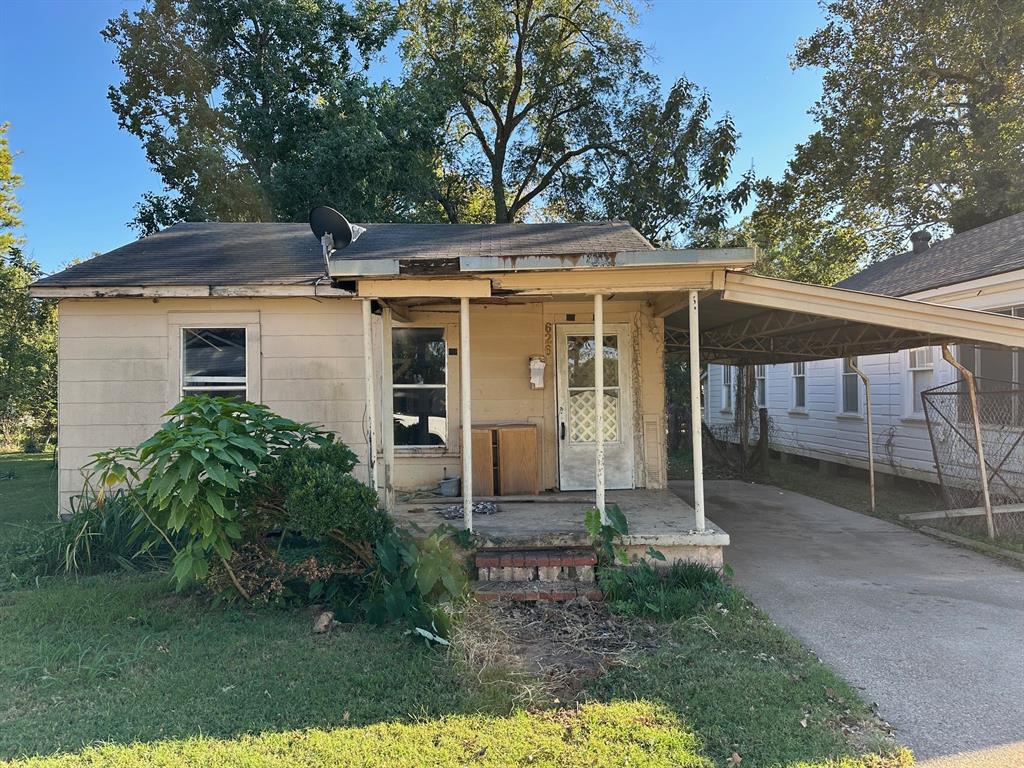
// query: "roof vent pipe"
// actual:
[[920, 240]]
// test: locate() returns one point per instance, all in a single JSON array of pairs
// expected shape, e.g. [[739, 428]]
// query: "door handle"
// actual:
[[563, 430]]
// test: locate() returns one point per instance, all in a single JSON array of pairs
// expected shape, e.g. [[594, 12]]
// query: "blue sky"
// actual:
[[83, 175]]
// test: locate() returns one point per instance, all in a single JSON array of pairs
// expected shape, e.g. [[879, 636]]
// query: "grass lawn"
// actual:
[[117, 671], [28, 494]]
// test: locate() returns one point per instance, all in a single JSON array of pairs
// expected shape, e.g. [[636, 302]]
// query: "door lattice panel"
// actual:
[[583, 416]]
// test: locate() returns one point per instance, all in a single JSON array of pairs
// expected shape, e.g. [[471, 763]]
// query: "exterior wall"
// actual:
[[902, 445], [119, 371]]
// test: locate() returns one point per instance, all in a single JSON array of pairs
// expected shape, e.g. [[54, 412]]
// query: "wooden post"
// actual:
[[871, 432], [599, 404], [371, 398], [466, 388], [696, 436], [387, 403], [972, 393]]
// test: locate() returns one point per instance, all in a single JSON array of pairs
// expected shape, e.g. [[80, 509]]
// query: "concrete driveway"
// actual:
[[932, 633]]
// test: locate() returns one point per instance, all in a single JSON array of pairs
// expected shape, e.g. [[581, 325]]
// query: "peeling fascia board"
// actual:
[[184, 291], [706, 257]]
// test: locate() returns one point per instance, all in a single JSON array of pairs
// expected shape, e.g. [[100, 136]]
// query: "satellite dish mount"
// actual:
[[333, 231]]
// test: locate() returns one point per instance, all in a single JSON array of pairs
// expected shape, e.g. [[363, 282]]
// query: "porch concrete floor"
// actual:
[[656, 518]]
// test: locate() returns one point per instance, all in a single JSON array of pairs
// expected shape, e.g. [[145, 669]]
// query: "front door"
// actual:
[[577, 411]]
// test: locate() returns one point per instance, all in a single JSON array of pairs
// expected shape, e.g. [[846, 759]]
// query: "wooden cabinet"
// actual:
[[506, 460]]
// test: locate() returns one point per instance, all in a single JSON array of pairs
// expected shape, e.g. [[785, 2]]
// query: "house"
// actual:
[[817, 407], [416, 341]]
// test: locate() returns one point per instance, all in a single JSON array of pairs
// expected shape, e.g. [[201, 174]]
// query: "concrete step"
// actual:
[[525, 565], [530, 591]]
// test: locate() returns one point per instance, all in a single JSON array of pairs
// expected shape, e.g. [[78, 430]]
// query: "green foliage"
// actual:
[[193, 472], [418, 582], [920, 123], [606, 533], [257, 111], [9, 183], [680, 591]]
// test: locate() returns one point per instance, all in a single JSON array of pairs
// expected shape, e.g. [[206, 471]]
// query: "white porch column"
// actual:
[[599, 403], [387, 403], [466, 388], [371, 397], [695, 418]]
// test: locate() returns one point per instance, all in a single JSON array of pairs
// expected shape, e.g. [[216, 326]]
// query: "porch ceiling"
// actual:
[[765, 320]]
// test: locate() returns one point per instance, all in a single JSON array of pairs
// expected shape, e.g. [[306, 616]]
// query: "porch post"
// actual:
[[371, 397], [466, 388], [696, 437], [599, 403], [387, 407]]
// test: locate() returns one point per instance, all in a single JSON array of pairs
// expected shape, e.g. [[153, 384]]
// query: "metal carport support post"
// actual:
[[696, 438]]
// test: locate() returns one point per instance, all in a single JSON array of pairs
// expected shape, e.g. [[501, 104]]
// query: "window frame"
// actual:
[[843, 374], [912, 407], [186, 389], [452, 427], [761, 386], [726, 389], [802, 377], [178, 321]]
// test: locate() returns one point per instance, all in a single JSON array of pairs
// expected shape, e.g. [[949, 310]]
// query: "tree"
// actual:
[[549, 108], [252, 110], [28, 338], [921, 123]]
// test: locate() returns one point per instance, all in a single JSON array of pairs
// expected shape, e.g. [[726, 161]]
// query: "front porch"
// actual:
[[657, 518]]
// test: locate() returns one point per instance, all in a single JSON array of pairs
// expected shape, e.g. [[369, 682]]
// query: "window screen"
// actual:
[[213, 362], [419, 369]]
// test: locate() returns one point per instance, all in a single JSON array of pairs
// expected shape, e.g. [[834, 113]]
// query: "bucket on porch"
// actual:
[[450, 486]]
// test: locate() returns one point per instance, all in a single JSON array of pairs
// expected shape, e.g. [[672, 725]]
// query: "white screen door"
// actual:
[[577, 407]]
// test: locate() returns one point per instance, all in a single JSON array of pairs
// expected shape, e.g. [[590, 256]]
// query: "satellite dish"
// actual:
[[327, 221]]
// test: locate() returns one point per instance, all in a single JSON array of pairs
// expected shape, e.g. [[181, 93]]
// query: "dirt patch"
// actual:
[[545, 652]]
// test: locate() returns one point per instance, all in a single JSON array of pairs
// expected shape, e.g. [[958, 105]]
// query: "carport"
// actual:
[[751, 320]]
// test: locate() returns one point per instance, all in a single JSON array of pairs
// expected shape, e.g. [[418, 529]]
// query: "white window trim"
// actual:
[[452, 446], [793, 375], [726, 390], [178, 322], [763, 377], [841, 411], [913, 410]]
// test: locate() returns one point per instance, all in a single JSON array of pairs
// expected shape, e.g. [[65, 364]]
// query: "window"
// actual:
[[760, 387], [999, 372], [213, 362], [419, 358], [850, 387], [920, 376], [799, 386], [726, 387]]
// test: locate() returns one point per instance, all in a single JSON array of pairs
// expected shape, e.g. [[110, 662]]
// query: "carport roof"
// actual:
[[754, 320]]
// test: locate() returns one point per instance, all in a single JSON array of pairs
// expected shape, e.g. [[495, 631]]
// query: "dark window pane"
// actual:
[[213, 356], [420, 416], [419, 355], [580, 358], [851, 394]]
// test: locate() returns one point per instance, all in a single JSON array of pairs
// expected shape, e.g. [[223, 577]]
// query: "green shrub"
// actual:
[[192, 474], [677, 592], [325, 501]]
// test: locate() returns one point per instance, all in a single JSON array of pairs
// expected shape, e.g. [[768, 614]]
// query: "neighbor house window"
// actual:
[[920, 376], [850, 384], [213, 362], [419, 365], [799, 386], [760, 386], [1000, 374], [726, 387]]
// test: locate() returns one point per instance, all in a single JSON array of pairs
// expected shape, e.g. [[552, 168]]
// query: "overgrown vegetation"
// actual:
[[679, 591]]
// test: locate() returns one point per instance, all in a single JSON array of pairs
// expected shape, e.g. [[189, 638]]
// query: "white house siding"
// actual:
[[902, 446]]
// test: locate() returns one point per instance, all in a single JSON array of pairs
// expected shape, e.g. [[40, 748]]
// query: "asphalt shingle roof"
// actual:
[[209, 253], [988, 250]]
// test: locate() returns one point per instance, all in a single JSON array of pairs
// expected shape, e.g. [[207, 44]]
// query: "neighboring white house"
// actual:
[[817, 408]]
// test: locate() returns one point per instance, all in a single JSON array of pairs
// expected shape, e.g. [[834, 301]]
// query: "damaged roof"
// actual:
[[988, 250], [213, 253]]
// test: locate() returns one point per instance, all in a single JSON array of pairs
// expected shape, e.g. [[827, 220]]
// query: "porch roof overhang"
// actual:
[[761, 320]]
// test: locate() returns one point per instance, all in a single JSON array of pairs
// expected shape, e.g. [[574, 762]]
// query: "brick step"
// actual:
[[565, 564], [562, 557], [530, 591]]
